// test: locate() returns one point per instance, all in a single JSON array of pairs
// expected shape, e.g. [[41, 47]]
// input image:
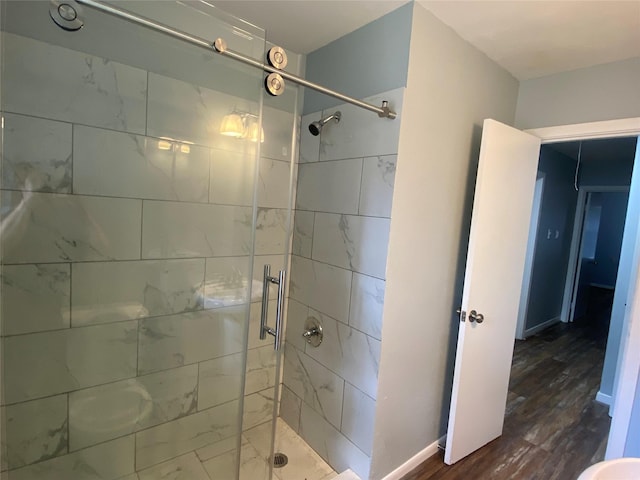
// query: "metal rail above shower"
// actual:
[[220, 47]]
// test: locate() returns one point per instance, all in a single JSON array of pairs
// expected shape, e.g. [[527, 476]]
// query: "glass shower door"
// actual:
[[127, 240]]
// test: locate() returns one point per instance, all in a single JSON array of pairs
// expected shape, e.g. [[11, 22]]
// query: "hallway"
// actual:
[[553, 429]]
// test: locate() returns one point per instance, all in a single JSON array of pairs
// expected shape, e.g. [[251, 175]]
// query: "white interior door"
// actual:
[[493, 278]]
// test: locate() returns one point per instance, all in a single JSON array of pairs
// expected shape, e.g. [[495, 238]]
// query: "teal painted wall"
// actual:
[[370, 60], [552, 255]]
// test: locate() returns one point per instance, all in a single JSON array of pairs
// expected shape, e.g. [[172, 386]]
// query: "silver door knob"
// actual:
[[476, 317]]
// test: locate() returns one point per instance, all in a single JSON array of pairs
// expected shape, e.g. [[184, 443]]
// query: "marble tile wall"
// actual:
[[340, 240], [127, 233]]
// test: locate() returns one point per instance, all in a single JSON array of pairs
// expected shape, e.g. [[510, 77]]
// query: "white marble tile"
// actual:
[[261, 369], [133, 476], [367, 302], [356, 243], [176, 340], [297, 314], [303, 233], [358, 417], [376, 192], [349, 353], [171, 230], [36, 431], [231, 178], [336, 449], [361, 134], [261, 437], [309, 144], [253, 465], [120, 164], [47, 228], [273, 184], [35, 298], [107, 461], [72, 86], [188, 112], [106, 292], [258, 409], [227, 281], [278, 129], [218, 448], [42, 364], [36, 154], [304, 462], [116, 409], [224, 466], [185, 467], [220, 380], [186, 434], [290, 405], [315, 384], [272, 235], [323, 287], [346, 475], [254, 323], [330, 187]]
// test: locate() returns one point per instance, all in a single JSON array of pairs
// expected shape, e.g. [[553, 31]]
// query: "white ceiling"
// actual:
[[528, 38]]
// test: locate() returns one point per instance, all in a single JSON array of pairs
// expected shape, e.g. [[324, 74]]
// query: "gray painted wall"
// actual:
[[607, 255], [451, 89], [367, 61], [632, 448], [603, 92], [611, 171], [552, 254], [557, 213]]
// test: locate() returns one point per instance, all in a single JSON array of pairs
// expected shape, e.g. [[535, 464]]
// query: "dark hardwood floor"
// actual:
[[554, 428]]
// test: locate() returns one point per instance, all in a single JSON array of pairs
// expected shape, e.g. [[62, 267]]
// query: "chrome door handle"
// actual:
[[476, 317], [264, 328]]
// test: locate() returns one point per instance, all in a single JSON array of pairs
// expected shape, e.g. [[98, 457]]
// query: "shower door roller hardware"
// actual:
[[274, 84], [476, 317], [385, 111], [277, 57], [313, 332], [462, 313], [264, 328], [65, 13]]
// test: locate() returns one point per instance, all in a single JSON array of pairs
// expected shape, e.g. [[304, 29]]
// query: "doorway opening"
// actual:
[[569, 290]]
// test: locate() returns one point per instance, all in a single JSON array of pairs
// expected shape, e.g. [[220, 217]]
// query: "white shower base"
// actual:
[[212, 464]]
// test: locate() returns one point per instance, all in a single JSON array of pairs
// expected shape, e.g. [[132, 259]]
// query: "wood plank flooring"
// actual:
[[554, 428]]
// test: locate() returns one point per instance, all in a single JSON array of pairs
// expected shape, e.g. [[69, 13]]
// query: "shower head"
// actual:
[[316, 127]]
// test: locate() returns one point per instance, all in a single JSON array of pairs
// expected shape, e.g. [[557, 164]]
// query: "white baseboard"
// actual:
[[542, 326], [603, 398], [414, 461]]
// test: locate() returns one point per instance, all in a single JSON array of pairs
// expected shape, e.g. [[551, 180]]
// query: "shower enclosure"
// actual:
[[135, 228]]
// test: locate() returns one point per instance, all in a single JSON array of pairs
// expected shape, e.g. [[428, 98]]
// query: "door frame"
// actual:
[[575, 253], [629, 362], [521, 331]]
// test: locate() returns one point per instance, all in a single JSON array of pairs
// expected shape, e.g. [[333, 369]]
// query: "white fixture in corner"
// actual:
[[618, 469], [347, 475]]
